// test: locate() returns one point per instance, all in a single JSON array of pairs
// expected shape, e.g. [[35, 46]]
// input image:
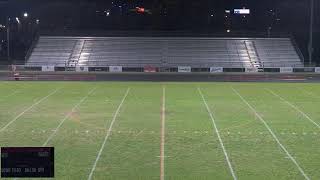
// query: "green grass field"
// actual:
[[167, 131]]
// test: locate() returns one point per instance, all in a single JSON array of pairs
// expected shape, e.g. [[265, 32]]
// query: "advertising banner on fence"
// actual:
[[184, 69], [252, 70], [115, 69], [286, 70], [216, 69], [47, 68], [82, 69], [150, 69], [317, 70]]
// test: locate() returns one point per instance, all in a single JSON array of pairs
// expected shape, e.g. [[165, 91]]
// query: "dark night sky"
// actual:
[[170, 15], [181, 14]]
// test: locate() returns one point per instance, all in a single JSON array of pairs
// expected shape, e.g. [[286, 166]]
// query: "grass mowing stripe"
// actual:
[[163, 116], [218, 134], [273, 134], [29, 108], [68, 115], [294, 107], [9, 95], [108, 134]]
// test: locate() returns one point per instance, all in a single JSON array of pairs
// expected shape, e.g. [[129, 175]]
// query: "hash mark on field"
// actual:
[[308, 92], [294, 107], [272, 133], [67, 116], [163, 119], [108, 134], [163, 156], [29, 108], [138, 134], [218, 134]]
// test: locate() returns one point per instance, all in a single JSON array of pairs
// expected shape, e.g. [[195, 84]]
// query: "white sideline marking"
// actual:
[[67, 116], [29, 108], [162, 143], [294, 107], [108, 134], [218, 134], [272, 133]]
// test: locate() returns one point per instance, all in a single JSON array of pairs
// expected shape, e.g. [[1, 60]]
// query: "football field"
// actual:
[[167, 131]]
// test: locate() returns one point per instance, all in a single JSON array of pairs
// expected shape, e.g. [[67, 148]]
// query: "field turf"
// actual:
[[168, 131]]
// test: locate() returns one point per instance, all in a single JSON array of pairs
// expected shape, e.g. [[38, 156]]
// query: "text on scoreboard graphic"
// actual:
[[27, 162]]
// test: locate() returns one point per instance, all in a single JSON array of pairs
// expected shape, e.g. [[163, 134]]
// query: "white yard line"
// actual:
[[67, 116], [218, 134], [273, 134], [294, 107], [163, 120], [108, 134], [28, 109]]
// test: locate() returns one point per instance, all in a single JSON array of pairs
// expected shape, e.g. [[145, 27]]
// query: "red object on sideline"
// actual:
[[150, 69]]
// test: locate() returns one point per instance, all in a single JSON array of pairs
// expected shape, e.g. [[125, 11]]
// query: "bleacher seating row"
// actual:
[[164, 52]]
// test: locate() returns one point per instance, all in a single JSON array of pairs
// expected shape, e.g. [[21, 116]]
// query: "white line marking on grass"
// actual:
[[138, 134], [218, 134], [108, 134], [308, 92], [29, 108], [294, 107], [67, 116], [162, 143], [273, 134]]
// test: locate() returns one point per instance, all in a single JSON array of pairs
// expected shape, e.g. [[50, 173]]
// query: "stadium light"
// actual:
[[310, 47], [108, 13], [17, 19], [8, 38], [25, 14]]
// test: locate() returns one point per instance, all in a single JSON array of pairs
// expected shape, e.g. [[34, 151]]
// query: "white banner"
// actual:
[[216, 69], [184, 69], [317, 70], [241, 11], [286, 70], [47, 68], [252, 70], [115, 69], [82, 69]]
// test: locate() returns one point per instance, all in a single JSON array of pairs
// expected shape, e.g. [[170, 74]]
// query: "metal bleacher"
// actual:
[[164, 52]]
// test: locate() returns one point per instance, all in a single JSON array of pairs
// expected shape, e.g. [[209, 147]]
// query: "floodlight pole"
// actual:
[[8, 39], [310, 48]]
